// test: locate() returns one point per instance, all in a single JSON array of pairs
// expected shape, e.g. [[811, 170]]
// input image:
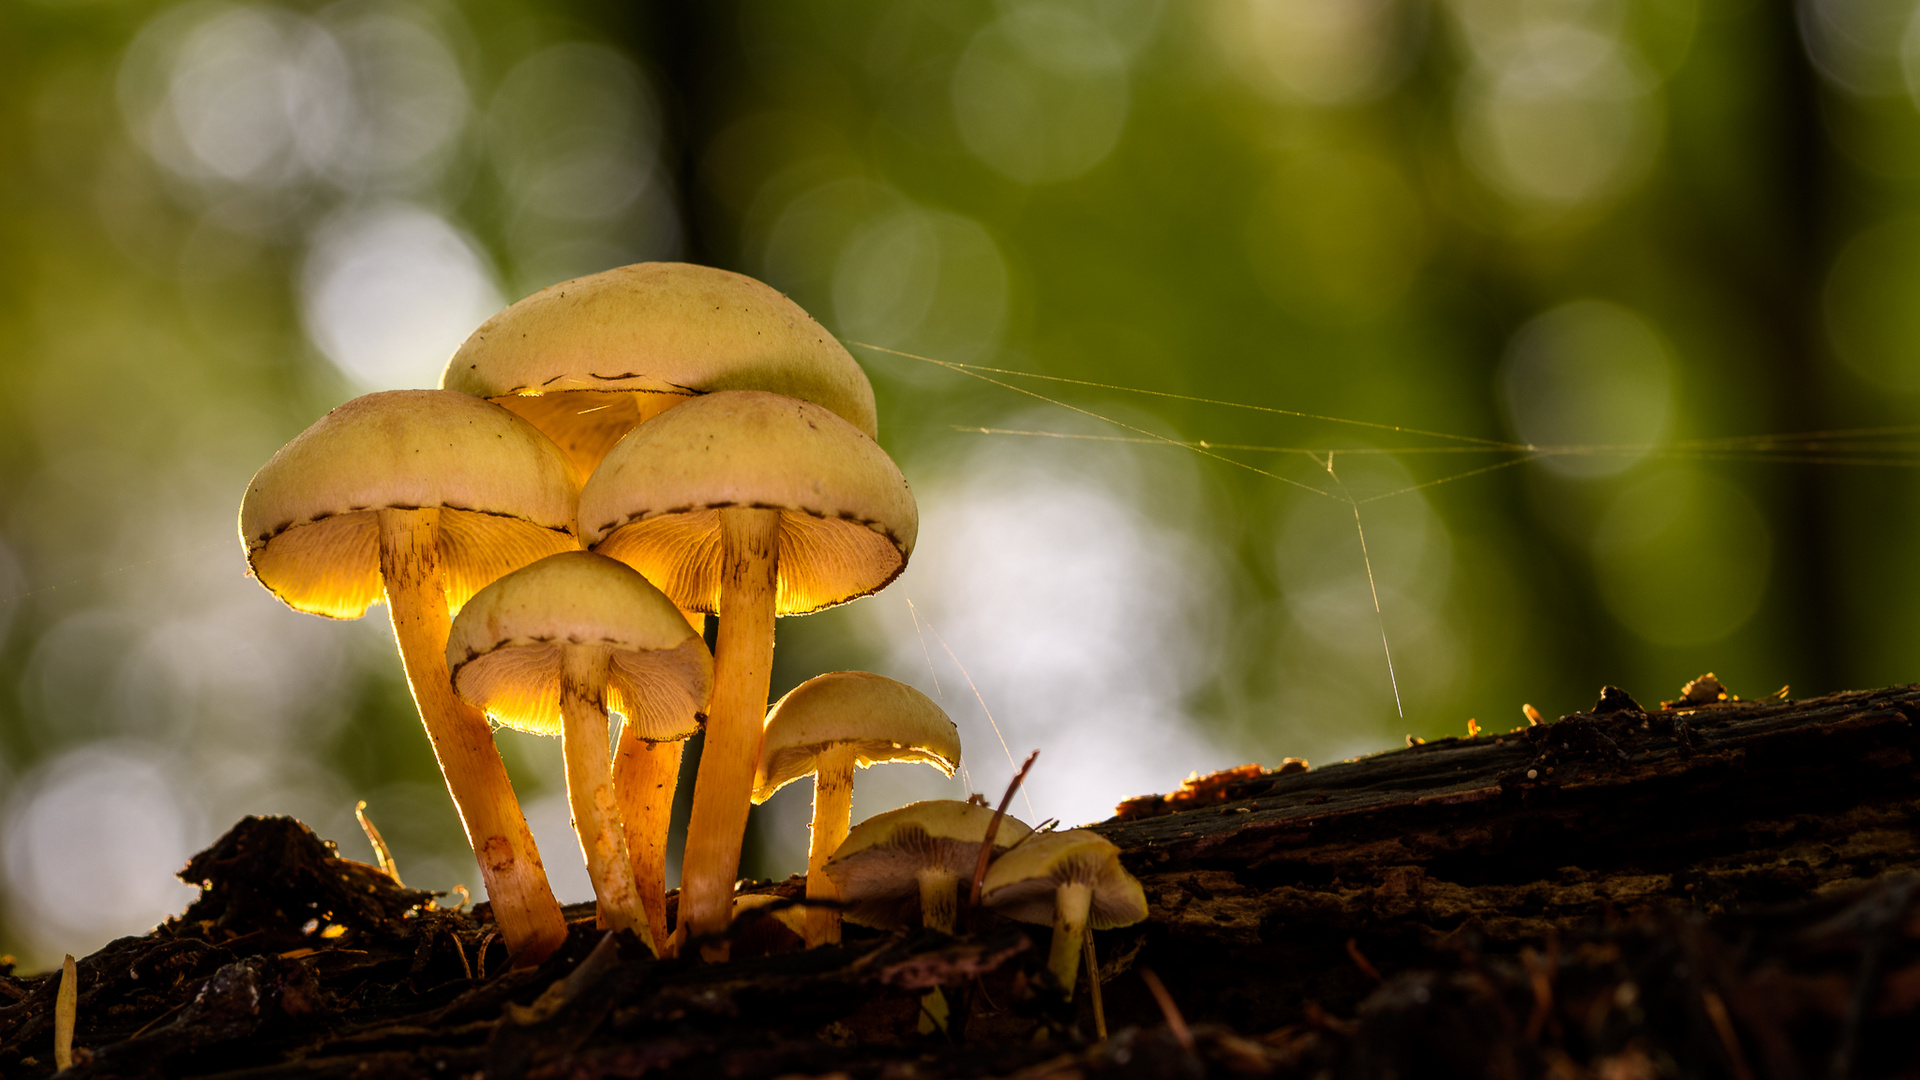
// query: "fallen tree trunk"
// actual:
[[1716, 888]]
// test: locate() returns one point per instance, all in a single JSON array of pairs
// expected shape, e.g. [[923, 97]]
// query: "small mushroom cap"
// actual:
[[877, 868], [308, 522], [658, 327], [506, 649], [1024, 883], [881, 718], [848, 520]]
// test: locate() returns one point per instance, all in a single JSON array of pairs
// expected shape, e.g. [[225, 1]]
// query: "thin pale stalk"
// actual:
[[596, 819], [832, 820], [742, 671], [523, 904], [644, 778], [1071, 904]]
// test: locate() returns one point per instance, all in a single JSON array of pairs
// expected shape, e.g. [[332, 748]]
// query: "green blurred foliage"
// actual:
[[1651, 229]]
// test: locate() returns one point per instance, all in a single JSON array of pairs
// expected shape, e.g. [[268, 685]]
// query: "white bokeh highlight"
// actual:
[[389, 292], [92, 841], [1080, 617]]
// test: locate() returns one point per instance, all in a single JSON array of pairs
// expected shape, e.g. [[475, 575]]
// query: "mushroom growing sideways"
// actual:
[[589, 359], [747, 505], [827, 726], [904, 867], [1072, 880], [424, 496], [549, 649]]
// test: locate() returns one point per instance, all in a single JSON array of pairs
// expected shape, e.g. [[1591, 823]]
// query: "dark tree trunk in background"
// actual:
[[1789, 307]]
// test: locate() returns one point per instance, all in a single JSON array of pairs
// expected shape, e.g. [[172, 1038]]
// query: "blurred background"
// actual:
[[1657, 241]]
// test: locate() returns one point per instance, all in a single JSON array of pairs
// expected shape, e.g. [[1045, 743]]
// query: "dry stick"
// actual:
[[993, 829], [1360, 961], [1093, 984], [1176, 1023], [66, 1007], [1729, 1041], [382, 857]]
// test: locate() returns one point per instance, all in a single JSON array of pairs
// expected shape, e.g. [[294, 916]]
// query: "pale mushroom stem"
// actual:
[[742, 672], [523, 904], [596, 819], [939, 900], [644, 778], [832, 820], [1072, 902]]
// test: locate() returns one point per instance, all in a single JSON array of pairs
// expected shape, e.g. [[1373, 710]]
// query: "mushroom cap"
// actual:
[[877, 868], [847, 523], [1024, 882], [881, 718], [308, 520], [506, 651], [659, 327]]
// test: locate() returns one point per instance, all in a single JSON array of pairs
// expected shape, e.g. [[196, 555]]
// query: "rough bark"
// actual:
[[1722, 889]]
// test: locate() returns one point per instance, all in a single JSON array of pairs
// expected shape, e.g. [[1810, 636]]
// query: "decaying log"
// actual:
[[1718, 888]]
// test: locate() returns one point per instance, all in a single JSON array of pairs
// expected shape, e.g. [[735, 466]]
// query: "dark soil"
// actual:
[[1709, 889]]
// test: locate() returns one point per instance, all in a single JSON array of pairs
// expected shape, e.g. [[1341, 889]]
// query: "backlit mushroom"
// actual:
[[905, 867], [423, 497], [549, 649], [586, 360], [827, 726], [1072, 880], [748, 505]]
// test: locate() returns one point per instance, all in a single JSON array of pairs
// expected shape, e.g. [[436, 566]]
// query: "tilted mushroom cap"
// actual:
[[877, 867], [505, 649], [505, 493], [881, 718], [848, 520], [1023, 883], [562, 356]]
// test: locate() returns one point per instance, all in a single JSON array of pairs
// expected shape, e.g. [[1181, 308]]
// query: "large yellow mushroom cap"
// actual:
[[308, 521], [570, 357], [506, 649], [847, 523], [882, 719], [1024, 883]]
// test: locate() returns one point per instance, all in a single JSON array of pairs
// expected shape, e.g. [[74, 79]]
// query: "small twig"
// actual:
[[1360, 961], [1723, 1027], [149, 1024], [1176, 1023], [1093, 985], [382, 857], [66, 1008], [993, 829], [1540, 971]]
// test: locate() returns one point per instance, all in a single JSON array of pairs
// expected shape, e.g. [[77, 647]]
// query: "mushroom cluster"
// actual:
[[606, 464]]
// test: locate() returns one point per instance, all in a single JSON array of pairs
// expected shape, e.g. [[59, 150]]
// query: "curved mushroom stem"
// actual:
[[832, 820], [644, 778], [939, 899], [596, 820], [742, 671], [516, 882], [1071, 903]]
